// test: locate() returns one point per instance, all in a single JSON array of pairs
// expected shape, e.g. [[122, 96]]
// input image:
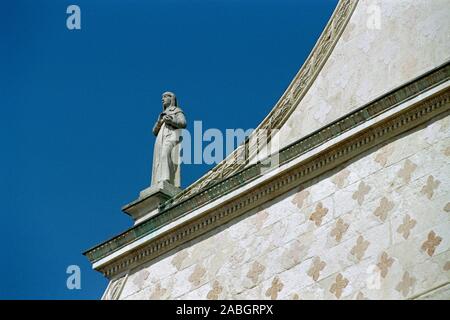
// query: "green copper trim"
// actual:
[[170, 212]]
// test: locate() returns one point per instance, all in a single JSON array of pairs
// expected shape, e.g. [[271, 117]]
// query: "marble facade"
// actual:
[[362, 214], [377, 227]]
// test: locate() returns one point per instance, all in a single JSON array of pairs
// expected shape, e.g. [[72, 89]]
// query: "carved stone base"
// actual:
[[146, 206]]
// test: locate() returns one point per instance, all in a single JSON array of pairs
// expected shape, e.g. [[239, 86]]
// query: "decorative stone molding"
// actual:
[[327, 159], [296, 90], [115, 288], [149, 199]]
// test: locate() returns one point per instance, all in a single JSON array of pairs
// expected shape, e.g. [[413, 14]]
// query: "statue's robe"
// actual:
[[166, 155]]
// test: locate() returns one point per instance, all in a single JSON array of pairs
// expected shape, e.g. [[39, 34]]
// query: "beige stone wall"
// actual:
[[413, 38], [377, 227]]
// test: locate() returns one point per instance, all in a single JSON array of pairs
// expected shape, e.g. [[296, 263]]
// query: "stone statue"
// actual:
[[166, 157]]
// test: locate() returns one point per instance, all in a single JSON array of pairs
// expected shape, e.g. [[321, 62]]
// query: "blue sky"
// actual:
[[77, 108]]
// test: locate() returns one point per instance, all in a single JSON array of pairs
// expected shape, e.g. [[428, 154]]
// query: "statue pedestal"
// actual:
[[146, 206]]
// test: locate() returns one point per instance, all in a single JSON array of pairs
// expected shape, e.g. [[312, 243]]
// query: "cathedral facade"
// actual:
[[358, 203]]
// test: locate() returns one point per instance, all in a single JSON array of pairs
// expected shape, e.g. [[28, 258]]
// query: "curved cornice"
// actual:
[[296, 90], [128, 253]]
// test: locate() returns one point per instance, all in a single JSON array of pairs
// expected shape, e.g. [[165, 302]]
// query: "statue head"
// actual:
[[169, 100]]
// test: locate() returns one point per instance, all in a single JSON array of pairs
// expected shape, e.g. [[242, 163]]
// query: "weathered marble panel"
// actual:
[[412, 38], [377, 227]]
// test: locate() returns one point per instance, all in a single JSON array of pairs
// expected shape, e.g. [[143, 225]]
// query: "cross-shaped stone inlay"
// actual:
[[179, 258], [276, 287], [299, 198], [338, 286], [405, 286], [447, 266], [140, 278], [447, 151], [317, 266], [383, 209], [447, 207], [259, 218], [360, 248], [429, 246], [339, 229], [255, 271], [197, 276], [318, 214], [405, 228], [407, 170], [384, 154], [430, 187], [339, 179], [293, 254], [360, 296], [384, 264], [213, 294], [359, 195], [158, 292]]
